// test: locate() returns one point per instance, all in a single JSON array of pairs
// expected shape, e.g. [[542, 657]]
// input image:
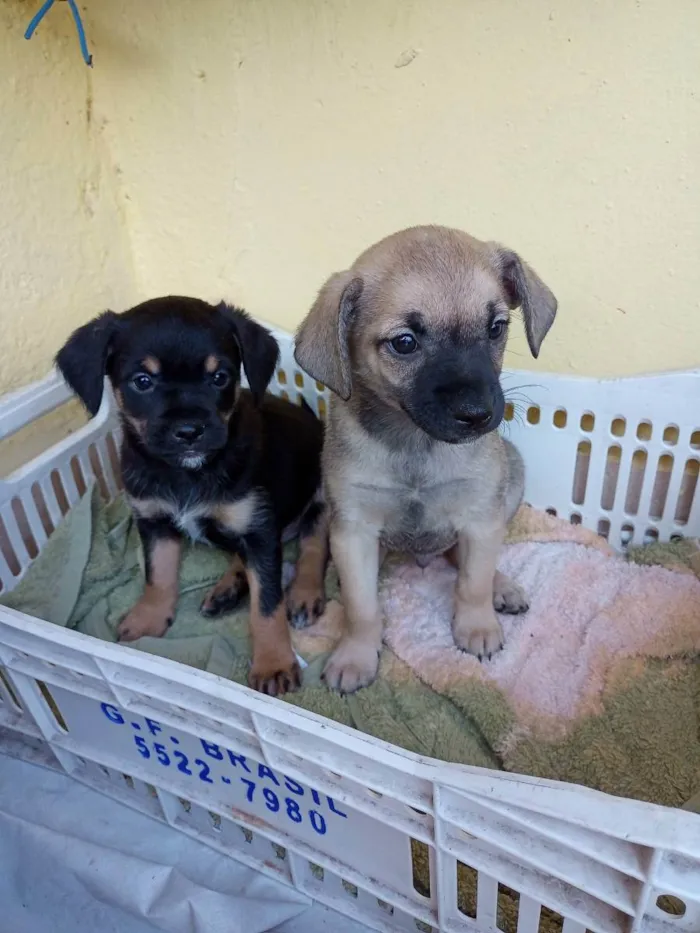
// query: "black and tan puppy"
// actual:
[[202, 457]]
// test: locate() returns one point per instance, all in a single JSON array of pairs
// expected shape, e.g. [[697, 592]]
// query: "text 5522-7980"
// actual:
[[215, 764]]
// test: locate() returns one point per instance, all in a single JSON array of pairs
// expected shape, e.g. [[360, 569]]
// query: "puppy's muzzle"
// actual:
[[474, 417], [187, 433]]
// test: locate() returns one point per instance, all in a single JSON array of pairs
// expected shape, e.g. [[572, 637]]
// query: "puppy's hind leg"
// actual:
[[306, 598]]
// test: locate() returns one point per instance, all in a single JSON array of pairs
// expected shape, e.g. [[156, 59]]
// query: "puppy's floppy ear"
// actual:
[[82, 361], [321, 347], [526, 290], [259, 349]]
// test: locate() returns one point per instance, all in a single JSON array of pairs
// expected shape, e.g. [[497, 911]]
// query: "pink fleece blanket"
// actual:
[[589, 611]]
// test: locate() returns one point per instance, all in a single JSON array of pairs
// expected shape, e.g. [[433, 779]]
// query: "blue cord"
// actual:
[[41, 13]]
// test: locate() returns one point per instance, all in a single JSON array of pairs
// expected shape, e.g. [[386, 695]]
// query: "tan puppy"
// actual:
[[410, 340]]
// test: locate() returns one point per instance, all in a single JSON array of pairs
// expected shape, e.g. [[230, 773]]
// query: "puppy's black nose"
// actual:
[[474, 417], [189, 432]]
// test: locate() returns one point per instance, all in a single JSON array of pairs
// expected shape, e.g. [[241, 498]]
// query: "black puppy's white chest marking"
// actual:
[[233, 517]]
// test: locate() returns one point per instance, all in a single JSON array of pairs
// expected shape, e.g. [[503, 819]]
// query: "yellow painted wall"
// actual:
[[258, 145], [63, 249]]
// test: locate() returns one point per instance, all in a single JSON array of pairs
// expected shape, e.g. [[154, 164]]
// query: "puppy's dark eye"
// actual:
[[142, 382], [404, 344], [497, 329], [221, 379]]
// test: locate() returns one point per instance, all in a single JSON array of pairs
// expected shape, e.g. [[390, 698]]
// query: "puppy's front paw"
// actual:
[[508, 596], [225, 595], [146, 618], [274, 674], [352, 665], [477, 631], [305, 603]]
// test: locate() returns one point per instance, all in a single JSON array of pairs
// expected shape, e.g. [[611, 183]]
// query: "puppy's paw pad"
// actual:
[[352, 665], [275, 679], [478, 632], [144, 620], [509, 596]]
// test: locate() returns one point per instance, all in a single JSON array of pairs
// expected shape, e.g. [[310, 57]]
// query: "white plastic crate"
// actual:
[[324, 808]]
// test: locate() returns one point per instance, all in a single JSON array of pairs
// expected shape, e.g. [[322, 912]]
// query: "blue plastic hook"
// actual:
[[41, 13]]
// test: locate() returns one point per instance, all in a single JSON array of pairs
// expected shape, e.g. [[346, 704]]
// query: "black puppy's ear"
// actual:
[[83, 359], [259, 349]]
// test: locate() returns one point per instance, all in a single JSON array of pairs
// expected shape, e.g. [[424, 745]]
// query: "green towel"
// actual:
[[643, 744]]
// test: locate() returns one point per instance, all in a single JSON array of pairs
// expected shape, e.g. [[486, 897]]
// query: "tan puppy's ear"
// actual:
[[526, 290], [321, 346]]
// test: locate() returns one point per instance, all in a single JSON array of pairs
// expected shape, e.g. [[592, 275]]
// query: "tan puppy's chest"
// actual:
[[408, 511]]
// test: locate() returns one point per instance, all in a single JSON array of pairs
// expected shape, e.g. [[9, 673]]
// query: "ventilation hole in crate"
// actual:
[[644, 431], [467, 880], [280, 852], [575, 518], [284, 395], [587, 421], [77, 471], [618, 427], [185, 804], [508, 907], [695, 440], [298, 380], [129, 781], [651, 535], [247, 834], [282, 377], [635, 481], [215, 821], [550, 921], [374, 793], [316, 871], [300, 398], [604, 528], [8, 552], [674, 539], [113, 454], [533, 415], [551, 511], [96, 464], [152, 792], [24, 528], [349, 887], [559, 419], [662, 480], [423, 927], [107, 773], [10, 690], [42, 509], [686, 493], [583, 458], [59, 492], [626, 534], [610, 476], [670, 435], [421, 867], [508, 412], [387, 908], [46, 693], [670, 904], [322, 409]]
